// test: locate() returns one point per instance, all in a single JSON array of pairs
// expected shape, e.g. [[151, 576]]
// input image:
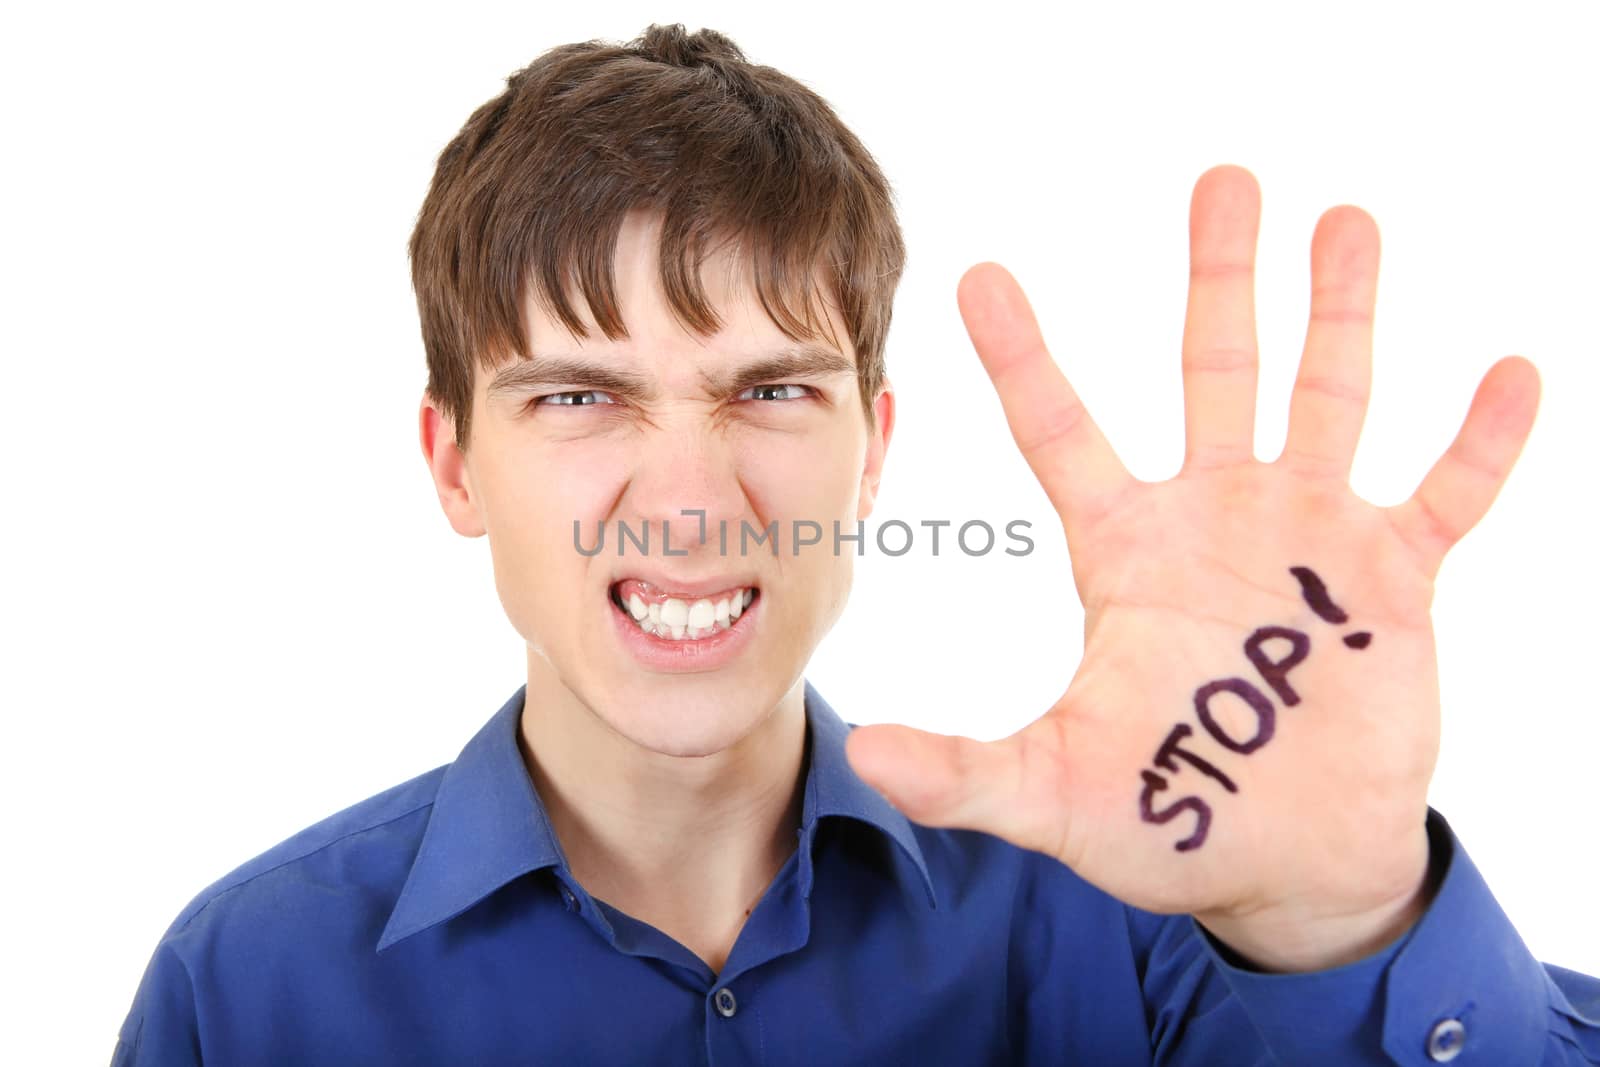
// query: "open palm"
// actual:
[[1255, 719]]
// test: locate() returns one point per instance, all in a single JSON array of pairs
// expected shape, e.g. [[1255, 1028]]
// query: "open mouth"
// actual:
[[681, 618]]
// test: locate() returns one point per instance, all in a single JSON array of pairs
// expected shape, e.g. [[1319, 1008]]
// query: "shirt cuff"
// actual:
[[1459, 982]]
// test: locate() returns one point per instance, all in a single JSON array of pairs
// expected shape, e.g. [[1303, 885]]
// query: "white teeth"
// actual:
[[682, 620]]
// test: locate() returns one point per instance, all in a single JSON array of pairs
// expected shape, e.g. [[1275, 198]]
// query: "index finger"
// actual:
[[1077, 467]]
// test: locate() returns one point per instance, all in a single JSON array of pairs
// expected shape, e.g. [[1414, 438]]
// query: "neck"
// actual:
[[678, 841]]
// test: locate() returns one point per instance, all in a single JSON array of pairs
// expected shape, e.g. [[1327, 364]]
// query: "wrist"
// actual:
[[1295, 940]]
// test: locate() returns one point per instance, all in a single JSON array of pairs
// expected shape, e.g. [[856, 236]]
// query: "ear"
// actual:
[[448, 466], [877, 447]]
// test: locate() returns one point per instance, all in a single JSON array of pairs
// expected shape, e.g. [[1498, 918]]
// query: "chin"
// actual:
[[685, 727], [676, 717]]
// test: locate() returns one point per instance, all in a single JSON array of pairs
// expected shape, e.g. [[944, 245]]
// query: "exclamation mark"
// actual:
[[1317, 598]]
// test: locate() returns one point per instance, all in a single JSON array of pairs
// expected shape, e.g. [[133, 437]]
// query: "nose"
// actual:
[[685, 492]]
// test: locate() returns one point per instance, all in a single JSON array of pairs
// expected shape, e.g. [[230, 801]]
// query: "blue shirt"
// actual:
[[438, 923]]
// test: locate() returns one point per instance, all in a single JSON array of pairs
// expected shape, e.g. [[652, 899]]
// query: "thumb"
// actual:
[[937, 779]]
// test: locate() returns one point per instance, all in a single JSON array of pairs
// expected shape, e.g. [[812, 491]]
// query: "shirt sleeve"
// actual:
[[1460, 986], [161, 1028]]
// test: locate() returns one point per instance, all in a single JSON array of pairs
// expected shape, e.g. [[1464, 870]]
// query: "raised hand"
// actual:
[[1251, 731]]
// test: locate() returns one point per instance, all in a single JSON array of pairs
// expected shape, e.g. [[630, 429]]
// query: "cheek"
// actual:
[[533, 502], [817, 479], [547, 490], [582, 484], [836, 586], [819, 483]]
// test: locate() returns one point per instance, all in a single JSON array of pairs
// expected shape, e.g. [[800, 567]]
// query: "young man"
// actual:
[[655, 285]]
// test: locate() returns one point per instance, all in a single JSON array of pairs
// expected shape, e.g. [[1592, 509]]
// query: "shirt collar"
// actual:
[[488, 825]]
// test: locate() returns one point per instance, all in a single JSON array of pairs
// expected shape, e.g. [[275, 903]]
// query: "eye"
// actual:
[[805, 390], [566, 400]]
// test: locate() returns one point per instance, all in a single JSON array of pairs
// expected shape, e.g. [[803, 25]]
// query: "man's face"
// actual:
[[688, 428]]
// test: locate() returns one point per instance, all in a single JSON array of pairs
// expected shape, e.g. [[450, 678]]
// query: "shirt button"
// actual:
[[1446, 1040], [726, 1005], [566, 895]]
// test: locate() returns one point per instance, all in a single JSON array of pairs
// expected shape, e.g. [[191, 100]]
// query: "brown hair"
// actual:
[[535, 187]]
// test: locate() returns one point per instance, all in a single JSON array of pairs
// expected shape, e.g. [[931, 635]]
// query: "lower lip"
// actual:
[[704, 654]]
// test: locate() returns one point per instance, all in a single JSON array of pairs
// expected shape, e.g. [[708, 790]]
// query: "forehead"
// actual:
[[727, 282]]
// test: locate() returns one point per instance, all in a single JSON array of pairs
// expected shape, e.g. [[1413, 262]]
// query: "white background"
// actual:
[[233, 605]]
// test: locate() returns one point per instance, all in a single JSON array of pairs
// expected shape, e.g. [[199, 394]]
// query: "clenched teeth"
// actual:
[[681, 620]]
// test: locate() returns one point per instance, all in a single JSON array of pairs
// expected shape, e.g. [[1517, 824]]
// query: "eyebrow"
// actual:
[[808, 361]]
